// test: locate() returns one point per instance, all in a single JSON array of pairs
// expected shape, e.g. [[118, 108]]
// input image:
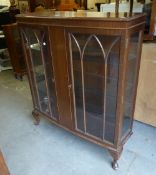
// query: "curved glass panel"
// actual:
[[95, 83], [130, 82], [42, 71]]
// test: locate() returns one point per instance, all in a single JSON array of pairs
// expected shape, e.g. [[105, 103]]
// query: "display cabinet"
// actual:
[[150, 22], [4, 55], [13, 41], [83, 72]]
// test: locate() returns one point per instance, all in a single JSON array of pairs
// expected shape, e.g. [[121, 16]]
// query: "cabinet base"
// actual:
[[114, 153]]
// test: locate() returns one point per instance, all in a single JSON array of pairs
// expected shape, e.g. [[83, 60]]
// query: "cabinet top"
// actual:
[[81, 15], [84, 19]]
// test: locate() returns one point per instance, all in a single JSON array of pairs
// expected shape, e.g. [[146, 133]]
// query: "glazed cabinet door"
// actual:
[[40, 70], [94, 61]]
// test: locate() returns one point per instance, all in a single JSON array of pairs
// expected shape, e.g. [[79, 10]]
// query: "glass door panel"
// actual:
[[50, 77], [130, 81], [41, 70], [38, 70], [95, 60]]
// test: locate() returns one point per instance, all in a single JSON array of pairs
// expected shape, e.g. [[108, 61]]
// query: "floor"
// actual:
[[49, 150]]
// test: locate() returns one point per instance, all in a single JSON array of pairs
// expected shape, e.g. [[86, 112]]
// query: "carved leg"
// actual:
[[18, 77], [116, 155], [35, 114]]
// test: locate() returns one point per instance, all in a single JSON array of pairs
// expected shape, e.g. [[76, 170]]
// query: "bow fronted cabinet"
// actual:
[[83, 72]]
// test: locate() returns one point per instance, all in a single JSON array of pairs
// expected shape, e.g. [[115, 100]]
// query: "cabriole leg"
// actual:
[[115, 164], [35, 114], [18, 77], [116, 155]]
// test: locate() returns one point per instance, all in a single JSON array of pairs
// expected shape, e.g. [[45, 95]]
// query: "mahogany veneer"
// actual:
[[83, 72]]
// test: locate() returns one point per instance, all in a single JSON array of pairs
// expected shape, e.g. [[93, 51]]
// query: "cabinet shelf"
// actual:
[[96, 75], [95, 57]]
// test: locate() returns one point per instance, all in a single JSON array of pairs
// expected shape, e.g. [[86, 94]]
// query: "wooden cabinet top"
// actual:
[[82, 18]]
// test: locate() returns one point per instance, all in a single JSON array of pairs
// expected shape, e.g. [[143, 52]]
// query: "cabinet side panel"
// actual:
[[57, 42], [131, 81]]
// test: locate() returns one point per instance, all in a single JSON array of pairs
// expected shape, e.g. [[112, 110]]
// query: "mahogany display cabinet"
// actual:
[[83, 72], [13, 40]]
